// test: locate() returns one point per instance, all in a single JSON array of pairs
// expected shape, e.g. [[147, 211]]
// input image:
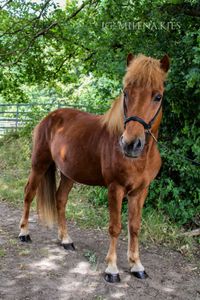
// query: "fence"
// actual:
[[15, 116]]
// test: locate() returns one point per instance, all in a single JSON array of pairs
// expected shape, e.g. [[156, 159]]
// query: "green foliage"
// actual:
[[98, 196], [14, 166], [91, 257]]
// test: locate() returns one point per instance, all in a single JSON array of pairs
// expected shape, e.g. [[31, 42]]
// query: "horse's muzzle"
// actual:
[[132, 149]]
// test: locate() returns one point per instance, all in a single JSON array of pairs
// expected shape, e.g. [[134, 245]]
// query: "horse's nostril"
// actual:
[[138, 143], [132, 149]]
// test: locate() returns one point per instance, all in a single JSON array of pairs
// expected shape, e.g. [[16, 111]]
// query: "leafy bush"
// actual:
[[98, 196]]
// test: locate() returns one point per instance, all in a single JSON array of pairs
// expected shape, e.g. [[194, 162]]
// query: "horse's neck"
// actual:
[[113, 118]]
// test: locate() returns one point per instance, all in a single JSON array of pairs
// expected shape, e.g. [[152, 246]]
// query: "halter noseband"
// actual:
[[147, 126]]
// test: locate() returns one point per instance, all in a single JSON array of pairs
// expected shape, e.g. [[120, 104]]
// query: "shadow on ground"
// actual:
[[44, 270]]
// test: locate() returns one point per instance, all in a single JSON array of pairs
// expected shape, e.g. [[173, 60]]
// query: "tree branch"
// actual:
[[31, 42], [8, 32], [43, 8], [79, 9], [90, 56], [62, 64], [45, 30]]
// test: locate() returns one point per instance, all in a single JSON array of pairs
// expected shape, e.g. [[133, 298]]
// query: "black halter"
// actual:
[[147, 126]]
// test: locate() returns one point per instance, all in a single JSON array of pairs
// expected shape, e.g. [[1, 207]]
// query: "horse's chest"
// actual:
[[134, 174]]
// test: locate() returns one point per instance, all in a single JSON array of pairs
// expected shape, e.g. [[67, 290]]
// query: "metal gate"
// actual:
[[15, 116]]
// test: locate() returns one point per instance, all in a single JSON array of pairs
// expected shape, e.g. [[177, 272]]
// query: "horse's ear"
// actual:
[[164, 63], [130, 57]]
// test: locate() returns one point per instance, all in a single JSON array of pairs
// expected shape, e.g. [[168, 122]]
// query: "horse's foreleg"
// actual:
[[29, 194], [115, 197], [61, 200], [135, 205]]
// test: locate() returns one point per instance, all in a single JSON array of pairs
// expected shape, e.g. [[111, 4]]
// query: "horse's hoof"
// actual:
[[111, 278], [25, 238], [69, 246], [140, 274]]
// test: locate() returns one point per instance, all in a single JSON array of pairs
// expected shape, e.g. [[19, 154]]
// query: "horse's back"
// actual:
[[74, 141]]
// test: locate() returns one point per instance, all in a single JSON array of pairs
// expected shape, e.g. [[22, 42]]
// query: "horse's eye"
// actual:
[[158, 98]]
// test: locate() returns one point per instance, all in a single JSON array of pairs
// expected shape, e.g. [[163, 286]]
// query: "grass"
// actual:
[[87, 205], [158, 229], [91, 257], [25, 252], [80, 210], [2, 253], [14, 165]]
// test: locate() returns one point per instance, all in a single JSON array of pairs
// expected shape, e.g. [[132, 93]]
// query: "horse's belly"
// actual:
[[88, 180], [89, 176], [80, 166]]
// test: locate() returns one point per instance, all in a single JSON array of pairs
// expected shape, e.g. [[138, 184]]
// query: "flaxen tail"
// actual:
[[46, 197]]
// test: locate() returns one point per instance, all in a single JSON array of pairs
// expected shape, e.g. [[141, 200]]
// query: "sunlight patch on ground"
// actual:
[[70, 286], [9, 283], [117, 295], [82, 268], [79, 285], [168, 289], [47, 264], [164, 287]]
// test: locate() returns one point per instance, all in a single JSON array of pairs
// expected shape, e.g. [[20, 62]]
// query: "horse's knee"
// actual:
[[115, 230], [134, 230]]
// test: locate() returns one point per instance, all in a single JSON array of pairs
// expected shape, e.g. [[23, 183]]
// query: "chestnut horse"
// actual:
[[116, 150]]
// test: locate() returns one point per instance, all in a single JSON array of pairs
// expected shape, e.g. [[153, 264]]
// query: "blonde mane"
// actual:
[[143, 72], [113, 118]]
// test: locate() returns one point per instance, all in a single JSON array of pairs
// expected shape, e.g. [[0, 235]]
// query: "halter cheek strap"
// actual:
[[147, 126]]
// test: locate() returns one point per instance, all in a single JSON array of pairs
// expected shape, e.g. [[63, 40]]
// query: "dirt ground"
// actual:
[[44, 270]]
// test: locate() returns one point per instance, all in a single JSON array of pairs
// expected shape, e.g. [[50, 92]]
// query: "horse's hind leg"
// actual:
[[29, 194], [61, 201]]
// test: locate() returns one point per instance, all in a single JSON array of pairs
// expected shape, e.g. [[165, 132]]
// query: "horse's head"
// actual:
[[142, 100]]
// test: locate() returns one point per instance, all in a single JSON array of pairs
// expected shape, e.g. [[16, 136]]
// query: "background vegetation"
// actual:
[[77, 54]]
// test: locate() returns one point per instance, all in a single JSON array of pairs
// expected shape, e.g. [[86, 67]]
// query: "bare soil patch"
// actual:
[[44, 270]]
